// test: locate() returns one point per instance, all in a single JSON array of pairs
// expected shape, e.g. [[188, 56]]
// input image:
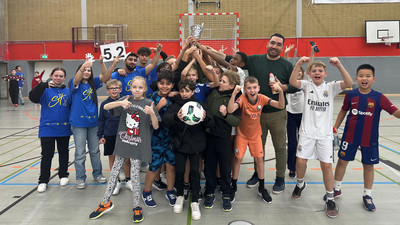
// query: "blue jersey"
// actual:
[[54, 115], [201, 92], [362, 124], [83, 109], [161, 137], [21, 74], [127, 80]]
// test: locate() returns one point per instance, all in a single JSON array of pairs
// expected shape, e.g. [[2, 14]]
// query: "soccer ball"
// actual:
[[192, 113]]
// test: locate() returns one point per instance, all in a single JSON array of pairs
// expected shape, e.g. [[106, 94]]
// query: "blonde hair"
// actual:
[[113, 82], [138, 78], [318, 64], [233, 77]]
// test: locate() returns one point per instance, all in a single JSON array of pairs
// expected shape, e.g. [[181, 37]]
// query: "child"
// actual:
[[362, 129], [188, 143], [54, 126], [37, 79], [160, 144], [108, 125], [249, 131], [138, 118], [83, 120], [316, 137], [219, 144], [13, 86]]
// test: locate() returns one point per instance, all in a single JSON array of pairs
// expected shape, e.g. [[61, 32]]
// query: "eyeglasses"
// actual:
[[114, 88]]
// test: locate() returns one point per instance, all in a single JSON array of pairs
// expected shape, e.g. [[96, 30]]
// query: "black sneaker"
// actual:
[[209, 202], [186, 191], [279, 185], [232, 194], [253, 181], [159, 185], [331, 209], [297, 191], [292, 174], [264, 193], [226, 204]]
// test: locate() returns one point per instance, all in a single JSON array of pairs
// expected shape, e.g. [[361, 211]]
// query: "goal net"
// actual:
[[220, 30]]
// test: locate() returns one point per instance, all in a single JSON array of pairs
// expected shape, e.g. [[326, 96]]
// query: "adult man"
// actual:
[[272, 119], [21, 83]]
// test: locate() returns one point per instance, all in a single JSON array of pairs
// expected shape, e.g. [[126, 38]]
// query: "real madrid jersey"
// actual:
[[316, 122]]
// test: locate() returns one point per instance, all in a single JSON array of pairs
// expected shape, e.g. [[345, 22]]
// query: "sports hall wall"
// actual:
[[32, 27]]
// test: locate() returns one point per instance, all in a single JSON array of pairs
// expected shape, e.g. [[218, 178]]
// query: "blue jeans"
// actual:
[[21, 99], [81, 135]]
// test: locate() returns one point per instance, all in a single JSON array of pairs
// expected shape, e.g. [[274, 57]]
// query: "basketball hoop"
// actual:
[[387, 40]]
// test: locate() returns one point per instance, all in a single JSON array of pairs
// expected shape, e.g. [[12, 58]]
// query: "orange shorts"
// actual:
[[255, 147]]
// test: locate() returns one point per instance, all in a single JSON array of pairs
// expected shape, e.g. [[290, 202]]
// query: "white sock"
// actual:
[[338, 185], [367, 192], [300, 183], [329, 195]]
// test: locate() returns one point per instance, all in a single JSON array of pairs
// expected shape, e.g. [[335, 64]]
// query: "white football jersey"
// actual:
[[318, 109]]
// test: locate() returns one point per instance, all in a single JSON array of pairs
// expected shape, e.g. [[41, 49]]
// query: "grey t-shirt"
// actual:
[[134, 130]]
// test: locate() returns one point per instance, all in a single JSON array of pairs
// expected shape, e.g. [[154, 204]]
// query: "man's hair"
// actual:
[[114, 82], [251, 80], [17, 67], [233, 77], [368, 67], [144, 51], [165, 74], [279, 36], [36, 71], [131, 54], [186, 82], [318, 64], [243, 56]]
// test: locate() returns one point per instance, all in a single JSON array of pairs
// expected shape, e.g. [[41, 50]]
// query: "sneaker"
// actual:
[[279, 185], [336, 194], [64, 181], [253, 181], [226, 204], [170, 195], [117, 188], [159, 185], [148, 199], [331, 209], [232, 194], [101, 210], [42, 187], [178, 207], [209, 202], [297, 191], [202, 176], [186, 190], [137, 215], [196, 214], [368, 204], [144, 167], [264, 193], [292, 174], [80, 184], [101, 179], [128, 184], [163, 177]]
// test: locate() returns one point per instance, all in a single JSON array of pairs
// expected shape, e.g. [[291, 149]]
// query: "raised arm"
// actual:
[[287, 50], [218, 58], [347, 82], [295, 73], [79, 73], [311, 60], [200, 61], [106, 73], [187, 68], [155, 59], [232, 106], [187, 45], [215, 83]]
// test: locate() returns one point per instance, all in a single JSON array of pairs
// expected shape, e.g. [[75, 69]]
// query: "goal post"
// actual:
[[220, 30]]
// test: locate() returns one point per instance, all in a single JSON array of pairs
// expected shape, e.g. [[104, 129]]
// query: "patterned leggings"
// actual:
[[135, 179]]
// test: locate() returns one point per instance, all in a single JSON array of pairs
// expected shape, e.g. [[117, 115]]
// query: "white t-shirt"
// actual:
[[295, 102], [316, 122]]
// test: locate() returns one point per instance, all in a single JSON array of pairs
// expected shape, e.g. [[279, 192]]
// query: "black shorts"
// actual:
[[109, 145]]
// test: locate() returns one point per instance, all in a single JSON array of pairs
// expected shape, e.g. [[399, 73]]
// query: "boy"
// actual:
[[188, 142], [249, 131], [108, 125], [315, 134], [160, 144], [362, 128]]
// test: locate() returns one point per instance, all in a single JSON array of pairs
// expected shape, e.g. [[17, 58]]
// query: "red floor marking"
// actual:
[[17, 167], [27, 113]]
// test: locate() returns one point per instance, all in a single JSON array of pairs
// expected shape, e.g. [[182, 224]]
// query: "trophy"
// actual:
[[196, 30]]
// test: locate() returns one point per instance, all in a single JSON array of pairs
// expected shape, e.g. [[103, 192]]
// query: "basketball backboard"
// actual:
[[382, 31]]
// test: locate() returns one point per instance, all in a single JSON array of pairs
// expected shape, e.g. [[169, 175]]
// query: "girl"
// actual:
[[83, 120], [13, 87], [138, 118], [55, 100]]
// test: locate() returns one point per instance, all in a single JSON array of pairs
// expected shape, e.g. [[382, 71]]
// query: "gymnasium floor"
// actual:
[[20, 203]]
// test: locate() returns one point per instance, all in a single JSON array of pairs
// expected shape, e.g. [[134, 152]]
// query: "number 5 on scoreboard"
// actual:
[[110, 51]]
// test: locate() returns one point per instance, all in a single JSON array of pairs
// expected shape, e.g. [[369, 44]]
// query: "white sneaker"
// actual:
[[42, 187], [196, 214], [64, 181], [117, 188], [80, 184], [101, 179], [178, 207], [163, 177], [128, 185]]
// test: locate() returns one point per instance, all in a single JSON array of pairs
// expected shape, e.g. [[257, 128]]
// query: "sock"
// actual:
[[260, 184], [329, 195], [367, 192], [127, 179], [234, 183], [300, 183], [337, 185]]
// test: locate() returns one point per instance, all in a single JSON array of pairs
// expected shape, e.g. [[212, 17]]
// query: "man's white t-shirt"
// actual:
[[316, 122]]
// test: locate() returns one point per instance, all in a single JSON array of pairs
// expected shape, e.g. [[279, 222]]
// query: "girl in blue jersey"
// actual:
[[54, 97], [83, 120]]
